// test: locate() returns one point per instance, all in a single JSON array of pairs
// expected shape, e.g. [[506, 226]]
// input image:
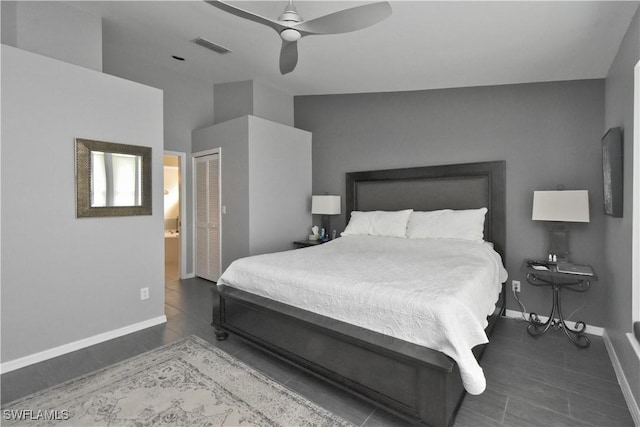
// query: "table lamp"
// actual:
[[560, 207], [325, 205]]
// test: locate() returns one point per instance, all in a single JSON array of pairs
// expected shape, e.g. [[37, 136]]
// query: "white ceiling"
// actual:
[[423, 45]]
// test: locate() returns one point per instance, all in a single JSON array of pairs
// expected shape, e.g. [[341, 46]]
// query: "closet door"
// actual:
[[207, 215]]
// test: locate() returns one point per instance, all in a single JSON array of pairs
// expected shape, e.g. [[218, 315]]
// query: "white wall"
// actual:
[[266, 184], [188, 105], [232, 137], [66, 279], [53, 29], [279, 185], [617, 250]]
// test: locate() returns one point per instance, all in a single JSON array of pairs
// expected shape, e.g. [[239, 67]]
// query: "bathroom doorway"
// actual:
[[173, 213]]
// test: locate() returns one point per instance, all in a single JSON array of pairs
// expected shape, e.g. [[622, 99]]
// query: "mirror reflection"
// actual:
[[115, 179]]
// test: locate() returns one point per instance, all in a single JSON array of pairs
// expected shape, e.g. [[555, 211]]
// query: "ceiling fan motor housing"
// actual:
[[290, 15]]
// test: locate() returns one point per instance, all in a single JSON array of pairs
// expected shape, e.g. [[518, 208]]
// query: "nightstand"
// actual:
[[307, 243], [541, 273]]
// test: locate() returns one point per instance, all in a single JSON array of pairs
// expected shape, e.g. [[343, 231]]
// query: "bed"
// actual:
[[399, 373]]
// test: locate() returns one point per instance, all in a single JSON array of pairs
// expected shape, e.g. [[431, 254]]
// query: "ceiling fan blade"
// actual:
[[346, 20], [288, 56], [246, 15]]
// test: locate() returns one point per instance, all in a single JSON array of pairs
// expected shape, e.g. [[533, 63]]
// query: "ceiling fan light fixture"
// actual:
[[290, 35]]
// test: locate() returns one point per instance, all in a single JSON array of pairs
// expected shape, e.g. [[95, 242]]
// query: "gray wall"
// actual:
[[232, 100], [249, 97], [66, 279], [188, 105], [618, 231], [548, 133], [272, 104]]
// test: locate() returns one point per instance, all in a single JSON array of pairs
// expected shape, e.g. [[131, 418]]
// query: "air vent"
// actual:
[[211, 45]]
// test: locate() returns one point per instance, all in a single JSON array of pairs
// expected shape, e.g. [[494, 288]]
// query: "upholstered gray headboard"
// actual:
[[457, 186]]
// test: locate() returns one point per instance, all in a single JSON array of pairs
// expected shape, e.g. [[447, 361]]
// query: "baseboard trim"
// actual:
[[622, 379], [592, 330], [634, 343], [21, 362]]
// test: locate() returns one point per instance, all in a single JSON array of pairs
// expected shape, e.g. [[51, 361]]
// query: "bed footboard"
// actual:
[[417, 383]]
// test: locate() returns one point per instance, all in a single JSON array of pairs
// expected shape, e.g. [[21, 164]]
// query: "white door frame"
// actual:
[[635, 252], [182, 158], [193, 203]]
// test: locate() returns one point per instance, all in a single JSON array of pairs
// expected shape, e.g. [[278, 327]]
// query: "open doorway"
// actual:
[[173, 213]]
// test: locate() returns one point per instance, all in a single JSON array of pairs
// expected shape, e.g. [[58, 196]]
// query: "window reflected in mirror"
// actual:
[[115, 179]]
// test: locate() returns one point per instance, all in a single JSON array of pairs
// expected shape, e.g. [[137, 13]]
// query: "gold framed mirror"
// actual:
[[112, 179]]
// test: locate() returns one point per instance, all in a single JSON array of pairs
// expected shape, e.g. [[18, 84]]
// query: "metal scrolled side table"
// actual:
[[546, 274]]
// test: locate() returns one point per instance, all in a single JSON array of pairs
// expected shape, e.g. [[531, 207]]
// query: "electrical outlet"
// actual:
[[515, 285], [144, 293]]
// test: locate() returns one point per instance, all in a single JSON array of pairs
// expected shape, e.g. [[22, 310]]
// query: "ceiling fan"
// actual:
[[291, 27]]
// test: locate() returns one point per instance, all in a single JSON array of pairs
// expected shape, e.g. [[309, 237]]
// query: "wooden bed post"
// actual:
[[217, 315]]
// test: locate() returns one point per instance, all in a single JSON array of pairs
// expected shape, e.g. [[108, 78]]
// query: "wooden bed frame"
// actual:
[[420, 384]]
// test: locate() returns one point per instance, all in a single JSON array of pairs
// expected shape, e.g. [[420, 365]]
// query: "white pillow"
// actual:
[[393, 224], [378, 223], [358, 223], [467, 224]]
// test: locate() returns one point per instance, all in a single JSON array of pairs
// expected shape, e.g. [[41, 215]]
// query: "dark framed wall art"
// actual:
[[612, 171]]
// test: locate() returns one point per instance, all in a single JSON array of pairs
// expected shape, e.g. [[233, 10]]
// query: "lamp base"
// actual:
[[559, 242]]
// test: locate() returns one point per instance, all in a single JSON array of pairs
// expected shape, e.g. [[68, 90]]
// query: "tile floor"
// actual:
[[543, 382]]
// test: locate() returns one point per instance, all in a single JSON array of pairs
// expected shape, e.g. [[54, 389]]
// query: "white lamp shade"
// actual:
[[325, 205], [565, 206]]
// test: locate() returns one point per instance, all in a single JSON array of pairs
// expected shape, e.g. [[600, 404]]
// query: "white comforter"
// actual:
[[433, 292]]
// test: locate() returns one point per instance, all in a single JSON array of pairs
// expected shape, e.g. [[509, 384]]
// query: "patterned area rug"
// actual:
[[187, 383]]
